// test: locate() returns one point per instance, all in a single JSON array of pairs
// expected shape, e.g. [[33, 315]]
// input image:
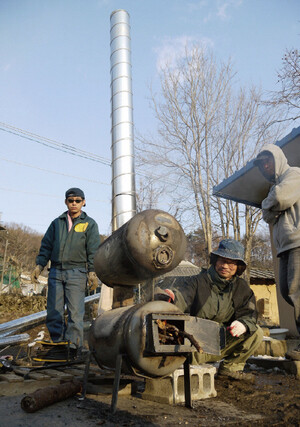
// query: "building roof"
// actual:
[[186, 268], [256, 273]]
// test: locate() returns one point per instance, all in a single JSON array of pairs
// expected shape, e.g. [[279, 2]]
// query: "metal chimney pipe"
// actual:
[[123, 175]]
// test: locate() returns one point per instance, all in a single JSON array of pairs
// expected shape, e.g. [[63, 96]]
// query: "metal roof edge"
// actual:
[[236, 199], [289, 137], [281, 143]]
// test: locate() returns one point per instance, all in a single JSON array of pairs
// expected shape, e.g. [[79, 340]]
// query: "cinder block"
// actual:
[[271, 347], [170, 389]]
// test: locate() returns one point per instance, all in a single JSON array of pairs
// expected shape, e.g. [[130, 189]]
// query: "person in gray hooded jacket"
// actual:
[[281, 209]]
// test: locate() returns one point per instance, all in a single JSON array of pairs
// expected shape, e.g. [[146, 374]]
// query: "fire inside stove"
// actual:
[[168, 334]]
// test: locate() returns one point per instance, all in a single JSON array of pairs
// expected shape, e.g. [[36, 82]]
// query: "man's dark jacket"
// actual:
[[70, 249], [208, 296]]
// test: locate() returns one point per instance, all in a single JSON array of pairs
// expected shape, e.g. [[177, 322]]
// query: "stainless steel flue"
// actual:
[[122, 147], [123, 175]]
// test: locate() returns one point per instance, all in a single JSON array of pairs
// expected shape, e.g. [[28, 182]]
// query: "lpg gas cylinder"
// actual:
[[148, 245], [127, 331]]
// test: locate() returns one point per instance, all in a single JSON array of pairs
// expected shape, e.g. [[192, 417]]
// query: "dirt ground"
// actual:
[[273, 400]]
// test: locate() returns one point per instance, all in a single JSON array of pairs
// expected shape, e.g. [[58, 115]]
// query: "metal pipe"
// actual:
[[35, 318], [122, 147], [123, 175], [14, 339]]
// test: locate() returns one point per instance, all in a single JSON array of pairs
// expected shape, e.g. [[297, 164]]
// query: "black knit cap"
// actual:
[[263, 155], [75, 192]]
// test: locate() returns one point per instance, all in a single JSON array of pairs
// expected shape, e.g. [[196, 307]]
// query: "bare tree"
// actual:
[[23, 246], [288, 96], [207, 131], [261, 256], [147, 194], [196, 250]]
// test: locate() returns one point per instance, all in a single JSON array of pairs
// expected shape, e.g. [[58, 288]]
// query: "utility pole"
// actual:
[[3, 264], [5, 252]]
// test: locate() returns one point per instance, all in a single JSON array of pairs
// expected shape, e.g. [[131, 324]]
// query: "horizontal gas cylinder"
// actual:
[[148, 245], [131, 332]]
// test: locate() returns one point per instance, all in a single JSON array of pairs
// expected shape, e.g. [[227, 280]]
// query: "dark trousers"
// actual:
[[66, 288], [289, 280]]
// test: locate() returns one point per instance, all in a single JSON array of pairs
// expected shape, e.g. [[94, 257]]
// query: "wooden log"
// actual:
[[49, 395]]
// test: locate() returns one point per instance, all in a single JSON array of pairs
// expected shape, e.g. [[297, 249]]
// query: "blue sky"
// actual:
[[55, 83]]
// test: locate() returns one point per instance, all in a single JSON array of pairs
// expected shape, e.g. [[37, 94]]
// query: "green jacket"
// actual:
[[208, 296], [70, 249]]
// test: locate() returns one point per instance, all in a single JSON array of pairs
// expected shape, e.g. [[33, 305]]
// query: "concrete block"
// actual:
[[275, 348], [292, 367], [271, 347], [170, 389]]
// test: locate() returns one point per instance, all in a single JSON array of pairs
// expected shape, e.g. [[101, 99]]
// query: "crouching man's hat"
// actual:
[[231, 249]]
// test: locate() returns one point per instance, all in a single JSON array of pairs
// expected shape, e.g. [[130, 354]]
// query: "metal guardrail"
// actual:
[[31, 320]]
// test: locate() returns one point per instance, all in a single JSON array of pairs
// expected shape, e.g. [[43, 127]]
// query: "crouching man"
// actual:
[[219, 294]]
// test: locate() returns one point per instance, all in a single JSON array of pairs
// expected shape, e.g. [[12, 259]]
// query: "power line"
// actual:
[[41, 194], [69, 149], [54, 172], [54, 144]]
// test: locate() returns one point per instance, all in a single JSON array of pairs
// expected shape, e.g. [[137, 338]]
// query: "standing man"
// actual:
[[70, 244], [219, 294], [281, 209]]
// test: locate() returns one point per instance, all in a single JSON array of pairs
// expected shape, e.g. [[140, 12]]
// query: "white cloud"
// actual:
[[102, 3], [196, 6], [221, 13], [5, 67], [224, 8], [213, 8], [171, 50]]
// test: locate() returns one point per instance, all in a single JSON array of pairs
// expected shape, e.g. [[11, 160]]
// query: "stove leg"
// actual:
[[116, 385], [86, 375], [187, 383]]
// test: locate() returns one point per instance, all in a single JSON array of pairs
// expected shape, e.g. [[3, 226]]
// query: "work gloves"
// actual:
[[35, 274], [92, 281], [237, 328], [164, 295]]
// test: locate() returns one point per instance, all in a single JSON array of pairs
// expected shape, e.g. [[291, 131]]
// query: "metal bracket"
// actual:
[[86, 375], [187, 383], [116, 384]]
